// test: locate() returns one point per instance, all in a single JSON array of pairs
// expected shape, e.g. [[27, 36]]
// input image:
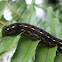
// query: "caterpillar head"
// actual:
[[12, 30]]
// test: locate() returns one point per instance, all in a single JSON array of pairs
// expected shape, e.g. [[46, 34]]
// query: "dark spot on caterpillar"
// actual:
[[33, 32]]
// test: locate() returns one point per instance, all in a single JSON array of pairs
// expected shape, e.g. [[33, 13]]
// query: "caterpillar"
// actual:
[[33, 31]]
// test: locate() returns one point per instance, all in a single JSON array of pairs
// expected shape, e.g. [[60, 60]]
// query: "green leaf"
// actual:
[[29, 16], [3, 19], [25, 50], [45, 54], [8, 42], [18, 10], [58, 57], [3, 4], [52, 23], [40, 23], [33, 1], [1, 26], [9, 1]]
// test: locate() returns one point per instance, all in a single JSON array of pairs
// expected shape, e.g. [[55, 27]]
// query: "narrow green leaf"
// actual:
[[25, 50], [58, 57], [3, 4], [45, 54]]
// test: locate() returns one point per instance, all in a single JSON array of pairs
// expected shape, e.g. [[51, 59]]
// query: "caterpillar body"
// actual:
[[33, 31]]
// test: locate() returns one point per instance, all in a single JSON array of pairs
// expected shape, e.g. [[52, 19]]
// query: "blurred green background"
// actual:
[[45, 14]]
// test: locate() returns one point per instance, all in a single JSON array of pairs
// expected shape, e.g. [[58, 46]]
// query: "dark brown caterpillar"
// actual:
[[16, 28]]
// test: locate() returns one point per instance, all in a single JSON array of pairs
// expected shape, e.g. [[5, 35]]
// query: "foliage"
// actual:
[[27, 49]]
